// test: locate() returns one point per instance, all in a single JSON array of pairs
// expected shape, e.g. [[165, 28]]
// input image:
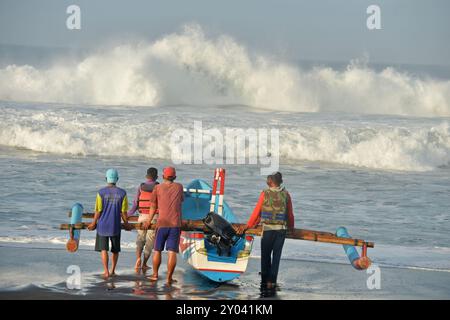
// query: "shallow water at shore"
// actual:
[[405, 214], [42, 274]]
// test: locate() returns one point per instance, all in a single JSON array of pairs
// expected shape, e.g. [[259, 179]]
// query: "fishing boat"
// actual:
[[218, 255], [208, 241]]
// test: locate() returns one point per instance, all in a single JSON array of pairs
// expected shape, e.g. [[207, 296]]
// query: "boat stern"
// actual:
[[203, 256]]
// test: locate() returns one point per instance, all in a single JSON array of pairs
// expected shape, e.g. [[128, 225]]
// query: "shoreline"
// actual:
[[43, 276]]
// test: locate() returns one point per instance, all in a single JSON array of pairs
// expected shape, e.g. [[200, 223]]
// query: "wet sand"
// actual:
[[41, 273]]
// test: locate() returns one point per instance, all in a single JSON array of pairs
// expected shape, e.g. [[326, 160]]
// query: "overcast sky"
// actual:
[[413, 31]]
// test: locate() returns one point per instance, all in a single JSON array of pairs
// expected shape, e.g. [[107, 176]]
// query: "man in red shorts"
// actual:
[[166, 198]]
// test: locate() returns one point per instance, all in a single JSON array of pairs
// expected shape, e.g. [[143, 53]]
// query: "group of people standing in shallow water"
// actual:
[[160, 204], [156, 202]]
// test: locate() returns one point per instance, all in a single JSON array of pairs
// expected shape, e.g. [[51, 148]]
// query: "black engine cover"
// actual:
[[220, 233]]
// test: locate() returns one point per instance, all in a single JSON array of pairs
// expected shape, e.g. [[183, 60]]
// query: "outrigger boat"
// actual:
[[208, 241]]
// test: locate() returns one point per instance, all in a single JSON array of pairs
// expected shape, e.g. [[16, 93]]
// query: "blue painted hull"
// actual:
[[201, 254]]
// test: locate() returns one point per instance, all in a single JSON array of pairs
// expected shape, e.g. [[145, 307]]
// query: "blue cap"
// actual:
[[112, 176]]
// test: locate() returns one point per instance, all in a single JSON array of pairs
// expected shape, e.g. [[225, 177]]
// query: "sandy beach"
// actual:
[[42, 275]]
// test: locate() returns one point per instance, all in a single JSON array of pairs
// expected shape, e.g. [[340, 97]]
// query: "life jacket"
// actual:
[[144, 197], [274, 207]]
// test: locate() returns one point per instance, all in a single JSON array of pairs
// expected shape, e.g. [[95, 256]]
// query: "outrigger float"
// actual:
[[208, 241]]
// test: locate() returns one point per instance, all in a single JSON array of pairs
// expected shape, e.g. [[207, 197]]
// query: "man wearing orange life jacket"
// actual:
[[145, 238]]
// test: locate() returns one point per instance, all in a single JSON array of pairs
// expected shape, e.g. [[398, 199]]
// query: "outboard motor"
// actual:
[[220, 233]]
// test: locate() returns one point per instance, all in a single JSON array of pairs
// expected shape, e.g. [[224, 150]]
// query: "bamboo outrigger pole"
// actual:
[[198, 225]]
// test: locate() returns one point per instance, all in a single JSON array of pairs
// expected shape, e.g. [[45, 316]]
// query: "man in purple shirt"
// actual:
[[110, 206], [141, 203]]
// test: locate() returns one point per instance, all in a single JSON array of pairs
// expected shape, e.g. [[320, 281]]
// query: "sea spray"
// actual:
[[191, 68]]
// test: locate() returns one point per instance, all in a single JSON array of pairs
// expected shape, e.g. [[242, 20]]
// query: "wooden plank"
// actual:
[[84, 225], [298, 234], [89, 215]]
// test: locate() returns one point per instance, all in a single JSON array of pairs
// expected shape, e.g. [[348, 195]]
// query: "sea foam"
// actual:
[[388, 144], [189, 67]]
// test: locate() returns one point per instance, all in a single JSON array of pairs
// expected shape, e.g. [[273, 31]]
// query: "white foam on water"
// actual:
[[378, 147], [418, 258], [55, 241], [189, 67], [408, 146], [33, 239], [22, 275]]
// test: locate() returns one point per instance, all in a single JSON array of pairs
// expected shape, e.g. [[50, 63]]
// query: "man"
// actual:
[[141, 203], [111, 204], [274, 211], [166, 198]]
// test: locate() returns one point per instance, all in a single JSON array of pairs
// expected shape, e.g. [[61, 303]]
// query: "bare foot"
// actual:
[[154, 277], [112, 274], [137, 266], [105, 275], [171, 280], [145, 267]]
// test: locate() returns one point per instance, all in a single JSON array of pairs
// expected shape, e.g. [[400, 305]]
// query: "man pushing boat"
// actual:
[[141, 203], [166, 198], [111, 204], [274, 210]]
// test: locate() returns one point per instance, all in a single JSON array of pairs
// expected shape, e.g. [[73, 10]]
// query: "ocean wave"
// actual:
[[191, 68], [378, 147], [407, 146]]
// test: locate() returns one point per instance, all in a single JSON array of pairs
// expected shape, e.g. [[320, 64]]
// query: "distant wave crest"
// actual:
[[190, 68]]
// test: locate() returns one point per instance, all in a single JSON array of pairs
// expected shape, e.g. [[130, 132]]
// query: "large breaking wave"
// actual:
[[410, 144], [190, 68]]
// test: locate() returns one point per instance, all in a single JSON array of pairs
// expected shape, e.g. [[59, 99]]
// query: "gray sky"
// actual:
[[413, 31]]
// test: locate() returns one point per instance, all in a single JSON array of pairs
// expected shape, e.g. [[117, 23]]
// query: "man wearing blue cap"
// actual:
[[111, 205]]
